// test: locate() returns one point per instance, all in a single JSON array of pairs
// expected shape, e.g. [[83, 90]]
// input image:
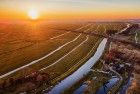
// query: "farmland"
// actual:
[[31, 47]]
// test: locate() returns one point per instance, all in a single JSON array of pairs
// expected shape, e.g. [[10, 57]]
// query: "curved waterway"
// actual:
[[102, 89], [81, 89], [79, 74], [111, 82], [126, 86]]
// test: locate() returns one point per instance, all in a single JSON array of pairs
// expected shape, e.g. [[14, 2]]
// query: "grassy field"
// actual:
[[26, 50], [58, 54], [24, 43]]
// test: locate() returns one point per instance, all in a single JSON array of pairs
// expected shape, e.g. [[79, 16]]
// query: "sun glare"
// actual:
[[33, 14]]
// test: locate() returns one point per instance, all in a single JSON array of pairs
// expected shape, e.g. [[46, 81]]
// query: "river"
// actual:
[[79, 74], [104, 89]]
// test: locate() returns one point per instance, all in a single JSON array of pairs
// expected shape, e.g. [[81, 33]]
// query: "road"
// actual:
[[60, 35], [136, 37], [127, 26]]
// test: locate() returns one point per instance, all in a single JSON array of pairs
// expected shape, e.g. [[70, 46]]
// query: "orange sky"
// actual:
[[71, 15], [71, 9]]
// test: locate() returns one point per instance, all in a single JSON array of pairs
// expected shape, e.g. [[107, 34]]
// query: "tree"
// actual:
[[111, 32], [11, 81]]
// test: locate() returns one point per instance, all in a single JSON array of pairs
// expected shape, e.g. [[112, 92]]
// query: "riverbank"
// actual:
[[130, 55]]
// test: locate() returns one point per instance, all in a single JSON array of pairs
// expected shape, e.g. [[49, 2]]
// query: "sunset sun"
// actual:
[[33, 14]]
